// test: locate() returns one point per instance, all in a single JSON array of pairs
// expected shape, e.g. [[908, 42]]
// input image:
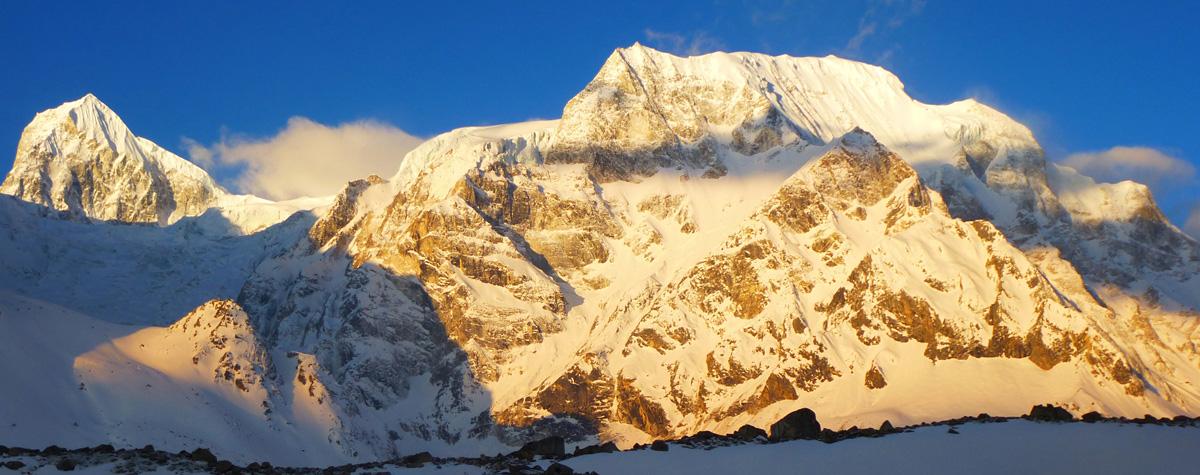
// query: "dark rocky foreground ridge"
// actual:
[[545, 456]]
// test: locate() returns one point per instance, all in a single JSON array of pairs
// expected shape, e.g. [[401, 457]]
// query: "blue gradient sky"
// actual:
[[1086, 76]]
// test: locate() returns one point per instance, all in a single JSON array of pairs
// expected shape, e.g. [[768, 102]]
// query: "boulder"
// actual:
[[224, 466], [14, 465], [553, 446], [558, 469], [1049, 413], [605, 448], [660, 446], [65, 465], [800, 424], [886, 427], [416, 460], [203, 455], [749, 433], [1092, 417], [702, 437]]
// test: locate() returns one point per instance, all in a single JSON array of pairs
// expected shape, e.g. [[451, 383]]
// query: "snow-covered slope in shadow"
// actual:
[[1012, 447]]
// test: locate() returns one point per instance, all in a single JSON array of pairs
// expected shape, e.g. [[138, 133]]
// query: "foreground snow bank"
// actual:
[[1011, 447], [1015, 446]]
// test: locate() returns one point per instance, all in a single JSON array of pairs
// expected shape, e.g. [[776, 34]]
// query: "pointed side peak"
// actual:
[[85, 141], [859, 142], [860, 132], [214, 313], [635, 54], [858, 171], [639, 47], [87, 101], [87, 112], [90, 100]]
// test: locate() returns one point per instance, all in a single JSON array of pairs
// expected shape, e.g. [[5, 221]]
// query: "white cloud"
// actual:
[[199, 154], [1141, 164], [683, 45], [1192, 226], [307, 158], [880, 18], [865, 29], [1170, 178]]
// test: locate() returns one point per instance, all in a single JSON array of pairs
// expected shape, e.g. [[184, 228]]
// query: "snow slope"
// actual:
[[698, 243], [75, 380], [1011, 447], [130, 274], [1000, 448]]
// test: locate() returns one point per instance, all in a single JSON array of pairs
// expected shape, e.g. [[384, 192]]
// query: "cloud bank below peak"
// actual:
[[1146, 165], [306, 158], [1167, 175]]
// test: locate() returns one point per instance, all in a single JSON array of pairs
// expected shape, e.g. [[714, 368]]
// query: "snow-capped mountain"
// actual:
[[81, 158], [697, 244]]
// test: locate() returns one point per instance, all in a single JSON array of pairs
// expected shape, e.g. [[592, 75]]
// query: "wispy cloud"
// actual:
[[684, 45], [865, 30], [769, 12], [1039, 122], [199, 154], [1192, 226], [1146, 165], [880, 19], [306, 158]]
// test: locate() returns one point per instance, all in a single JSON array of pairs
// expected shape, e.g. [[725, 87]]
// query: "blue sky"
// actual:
[[1086, 76]]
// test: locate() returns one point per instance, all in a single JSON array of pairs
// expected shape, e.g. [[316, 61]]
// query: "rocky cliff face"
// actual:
[[81, 158], [702, 243], [224, 343], [705, 242]]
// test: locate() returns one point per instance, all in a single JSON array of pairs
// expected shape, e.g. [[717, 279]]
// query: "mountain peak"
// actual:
[[86, 104], [80, 157], [88, 116], [858, 141], [857, 170], [88, 100], [820, 98], [757, 66]]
